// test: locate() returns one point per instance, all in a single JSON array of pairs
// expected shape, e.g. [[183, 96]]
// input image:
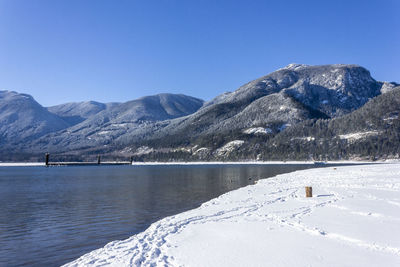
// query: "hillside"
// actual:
[[247, 123], [297, 112], [76, 112], [370, 132], [285, 97], [103, 128]]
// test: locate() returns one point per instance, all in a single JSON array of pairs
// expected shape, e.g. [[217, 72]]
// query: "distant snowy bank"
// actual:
[[28, 164], [252, 162], [21, 164], [352, 220]]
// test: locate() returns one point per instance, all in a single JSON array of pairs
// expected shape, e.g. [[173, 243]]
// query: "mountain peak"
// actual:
[[298, 66], [294, 66], [22, 117], [9, 94]]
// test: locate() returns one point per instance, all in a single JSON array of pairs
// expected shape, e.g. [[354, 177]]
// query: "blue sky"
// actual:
[[63, 51]]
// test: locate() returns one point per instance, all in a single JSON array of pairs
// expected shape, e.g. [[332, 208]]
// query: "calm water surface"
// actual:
[[50, 216]]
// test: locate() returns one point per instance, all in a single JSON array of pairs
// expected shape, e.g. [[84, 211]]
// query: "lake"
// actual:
[[50, 216]]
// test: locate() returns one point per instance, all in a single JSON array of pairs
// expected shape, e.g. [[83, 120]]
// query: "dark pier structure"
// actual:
[[96, 163]]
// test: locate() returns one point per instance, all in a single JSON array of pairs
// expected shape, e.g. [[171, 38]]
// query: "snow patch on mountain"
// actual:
[[258, 130], [307, 138], [391, 117], [229, 147], [351, 137], [294, 66], [388, 86], [143, 150]]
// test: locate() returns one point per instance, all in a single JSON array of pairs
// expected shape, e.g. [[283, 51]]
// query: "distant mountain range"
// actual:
[[297, 112], [77, 112]]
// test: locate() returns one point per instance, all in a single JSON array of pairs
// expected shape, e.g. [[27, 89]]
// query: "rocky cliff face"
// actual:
[[332, 89]]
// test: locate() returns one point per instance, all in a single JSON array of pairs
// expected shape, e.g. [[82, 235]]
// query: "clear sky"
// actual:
[[74, 50]]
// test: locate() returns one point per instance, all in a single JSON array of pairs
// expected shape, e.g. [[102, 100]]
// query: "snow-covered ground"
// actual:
[[352, 220], [229, 162], [258, 130], [351, 137], [21, 164], [229, 147], [256, 162], [30, 164]]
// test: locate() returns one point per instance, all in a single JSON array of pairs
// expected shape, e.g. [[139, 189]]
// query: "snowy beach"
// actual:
[[32, 164], [352, 220], [21, 164]]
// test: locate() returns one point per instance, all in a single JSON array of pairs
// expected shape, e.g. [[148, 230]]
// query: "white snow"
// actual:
[[387, 87], [352, 220], [182, 149], [258, 130], [284, 108], [391, 117], [21, 164], [229, 147], [307, 138], [351, 137], [295, 66], [104, 132], [201, 150], [143, 150], [121, 125], [231, 162]]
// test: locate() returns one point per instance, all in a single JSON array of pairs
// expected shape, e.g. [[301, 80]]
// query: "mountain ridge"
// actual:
[[22, 118], [21, 113], [267, 106], [282, 84]]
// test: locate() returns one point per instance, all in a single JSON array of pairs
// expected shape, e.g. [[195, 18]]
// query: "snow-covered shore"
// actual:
[[261, 162], [352, 220], [21, 164], [30, 164], [244, 162], [27, 164]]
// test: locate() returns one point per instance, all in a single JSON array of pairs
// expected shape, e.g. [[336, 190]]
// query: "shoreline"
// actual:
[[21, 164], [352, 220], [33, 164]]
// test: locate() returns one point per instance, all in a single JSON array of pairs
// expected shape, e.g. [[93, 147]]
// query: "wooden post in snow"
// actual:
[[308, 191], [47, 159], [98, 159]]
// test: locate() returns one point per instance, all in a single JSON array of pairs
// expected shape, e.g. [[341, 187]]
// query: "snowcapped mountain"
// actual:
[[23, 119], [26, 126], [260, 110], [285, 97], [118, 120], [76, 112]]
